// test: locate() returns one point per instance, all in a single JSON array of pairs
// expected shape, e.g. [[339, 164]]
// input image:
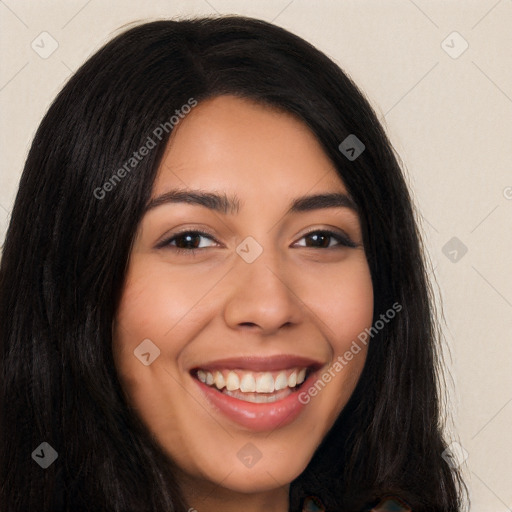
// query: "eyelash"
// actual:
[[344, 241]]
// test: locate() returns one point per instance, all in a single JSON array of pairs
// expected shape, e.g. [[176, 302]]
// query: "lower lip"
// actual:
[[257, 417]]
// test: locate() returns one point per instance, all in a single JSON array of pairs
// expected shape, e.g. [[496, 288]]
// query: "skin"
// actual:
[[295, 299]]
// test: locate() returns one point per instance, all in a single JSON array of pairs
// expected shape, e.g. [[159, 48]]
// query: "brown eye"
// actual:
[[323, 239], [187, 241]]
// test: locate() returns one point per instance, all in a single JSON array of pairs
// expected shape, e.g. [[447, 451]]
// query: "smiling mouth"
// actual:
[[255, 387]]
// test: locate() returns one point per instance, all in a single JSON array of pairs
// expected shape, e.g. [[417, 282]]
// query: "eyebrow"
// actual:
[[225, 204]]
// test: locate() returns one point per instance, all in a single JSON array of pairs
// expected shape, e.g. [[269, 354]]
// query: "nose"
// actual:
[[262, 296]]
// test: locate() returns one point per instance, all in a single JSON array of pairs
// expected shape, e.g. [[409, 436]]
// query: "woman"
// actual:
[[212, 290]]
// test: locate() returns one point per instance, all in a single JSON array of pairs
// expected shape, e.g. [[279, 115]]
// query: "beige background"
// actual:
[[450, 119]]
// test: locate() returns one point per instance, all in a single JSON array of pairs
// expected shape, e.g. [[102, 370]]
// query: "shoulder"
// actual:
[[387, 504]]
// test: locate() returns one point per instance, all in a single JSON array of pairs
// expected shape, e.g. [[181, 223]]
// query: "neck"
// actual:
[[208, 497]]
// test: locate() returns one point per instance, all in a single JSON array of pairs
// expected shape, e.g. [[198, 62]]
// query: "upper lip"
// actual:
[[260, 364]]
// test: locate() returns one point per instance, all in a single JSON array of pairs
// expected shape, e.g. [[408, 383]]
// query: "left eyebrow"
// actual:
[[223, 203], [318, 201]]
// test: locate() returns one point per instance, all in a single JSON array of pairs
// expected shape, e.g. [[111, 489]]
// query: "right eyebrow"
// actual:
[[212, 200]]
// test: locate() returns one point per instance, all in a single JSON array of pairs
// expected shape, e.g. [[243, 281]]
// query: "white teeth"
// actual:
[[281, 381], [232, 382], [265, 383], [248, 384], [252, 382], [219, 380], [259, 399]]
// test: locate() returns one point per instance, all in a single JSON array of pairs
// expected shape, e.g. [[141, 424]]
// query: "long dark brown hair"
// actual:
[[66, 252]]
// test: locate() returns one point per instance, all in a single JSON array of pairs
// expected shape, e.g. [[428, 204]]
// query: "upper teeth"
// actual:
[[247, 382]]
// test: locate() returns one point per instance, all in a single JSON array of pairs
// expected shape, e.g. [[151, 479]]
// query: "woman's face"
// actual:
[[266, 299]]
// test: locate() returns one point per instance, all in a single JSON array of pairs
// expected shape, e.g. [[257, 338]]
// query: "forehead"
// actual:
[[234, 143]]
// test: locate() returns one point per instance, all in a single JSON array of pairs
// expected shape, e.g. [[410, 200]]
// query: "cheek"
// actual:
[[343, 301], [153, 306], [164, 307], [153, 301], [148, 309], [344, 306], [354, 299]]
